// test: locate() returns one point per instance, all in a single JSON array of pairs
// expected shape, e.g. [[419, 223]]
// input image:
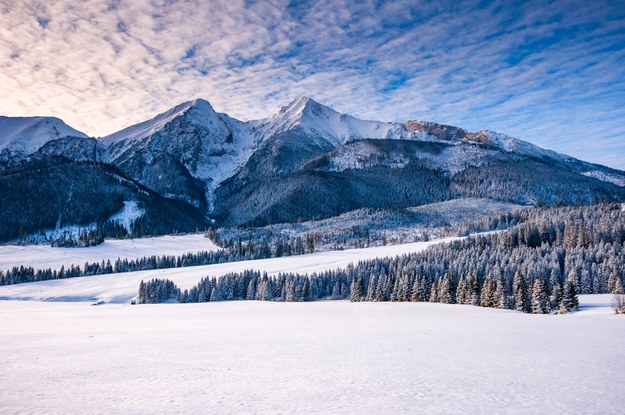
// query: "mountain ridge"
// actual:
[[309, 161]]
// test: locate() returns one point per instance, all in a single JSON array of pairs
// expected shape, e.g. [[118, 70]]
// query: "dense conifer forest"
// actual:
[[55, 199], [537, 266]]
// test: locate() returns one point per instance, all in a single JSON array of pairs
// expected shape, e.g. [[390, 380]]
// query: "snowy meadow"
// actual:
[[319, 357], [78, 346]]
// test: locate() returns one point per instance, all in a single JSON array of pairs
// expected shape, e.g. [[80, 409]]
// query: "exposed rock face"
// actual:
[[447, 132]]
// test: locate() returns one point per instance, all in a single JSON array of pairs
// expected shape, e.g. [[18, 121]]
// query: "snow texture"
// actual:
[[129, 213], [339, 128], [44, 256], [122, 287], [25, 135], [606, 177], [320, 357]]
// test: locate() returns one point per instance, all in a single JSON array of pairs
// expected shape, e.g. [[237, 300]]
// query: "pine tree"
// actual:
[[501, 297], [473, 286], [520, 292], [569, 301], [540, 298], [414, 291], [487, 297], [434, 293], [556, 296], [462, 295], [356, 290], [444, 290]]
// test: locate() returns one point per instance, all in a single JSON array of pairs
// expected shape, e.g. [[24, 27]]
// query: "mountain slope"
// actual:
[[56, 193], [398, 173], [21, 136], [309, 161], [183, 153]]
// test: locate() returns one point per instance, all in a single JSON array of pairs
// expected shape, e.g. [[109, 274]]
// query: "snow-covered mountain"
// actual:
[[318, 119], [309, 161], [22, 136], [183, 153]]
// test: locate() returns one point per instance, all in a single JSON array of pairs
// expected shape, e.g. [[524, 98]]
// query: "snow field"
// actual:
[[122, 287], [44, 256], [320, 357]]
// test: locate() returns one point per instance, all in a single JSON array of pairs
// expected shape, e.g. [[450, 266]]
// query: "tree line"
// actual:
[[233, 251], [537, 266]]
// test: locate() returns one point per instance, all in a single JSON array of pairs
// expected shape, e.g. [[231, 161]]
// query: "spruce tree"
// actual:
[[521, 302], [356, 290], [540, 298], [444, 290], [487, 297]]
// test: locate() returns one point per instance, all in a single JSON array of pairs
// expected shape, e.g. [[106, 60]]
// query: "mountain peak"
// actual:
[[323, 121], [302, 106], [198, 105], [27, 134], [198, 111]]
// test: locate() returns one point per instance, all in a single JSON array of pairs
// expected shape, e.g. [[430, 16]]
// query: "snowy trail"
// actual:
[[44, 256], [121, 288]]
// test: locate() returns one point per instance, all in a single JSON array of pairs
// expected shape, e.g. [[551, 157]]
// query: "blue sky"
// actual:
[[549, 72]]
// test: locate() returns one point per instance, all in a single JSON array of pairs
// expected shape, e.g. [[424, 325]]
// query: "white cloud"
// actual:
[[551, 74]]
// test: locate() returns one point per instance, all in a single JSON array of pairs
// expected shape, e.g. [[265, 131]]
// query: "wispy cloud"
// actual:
[[552, 73]]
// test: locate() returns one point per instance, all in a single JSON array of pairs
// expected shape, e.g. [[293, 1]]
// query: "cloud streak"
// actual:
[[548, 73]]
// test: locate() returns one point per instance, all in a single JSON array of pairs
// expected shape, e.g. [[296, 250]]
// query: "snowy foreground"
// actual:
[[321, 357], [64, 355], [122, 287]]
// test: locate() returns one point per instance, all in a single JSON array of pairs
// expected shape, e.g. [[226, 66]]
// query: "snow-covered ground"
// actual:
[[120, 288], [322, 357], [44, 256]]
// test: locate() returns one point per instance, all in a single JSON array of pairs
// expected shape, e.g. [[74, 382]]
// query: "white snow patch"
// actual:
[[129, 213], [320, 357], [606, 177], [44, 256], [365, 156], [456, 158]]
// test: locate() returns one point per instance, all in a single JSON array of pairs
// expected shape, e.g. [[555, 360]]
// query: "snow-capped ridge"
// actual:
[[504, 142], [25, 135], [199, 111], [316, 118]]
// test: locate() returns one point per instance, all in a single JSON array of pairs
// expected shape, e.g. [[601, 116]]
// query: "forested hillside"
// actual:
[[47, 195], [538, 266]]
